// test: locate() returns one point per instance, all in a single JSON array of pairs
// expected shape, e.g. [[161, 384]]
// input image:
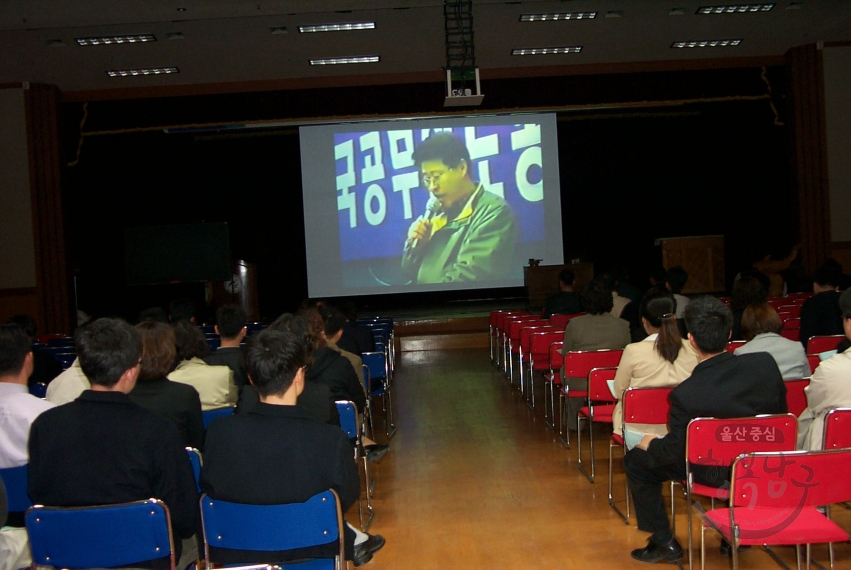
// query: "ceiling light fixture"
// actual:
[[175, 36], [342, 60], [558, 16], [143, 71], [109, 40], [706, 43], [341, 27], [546, 50], [55, 43], [735, 8]]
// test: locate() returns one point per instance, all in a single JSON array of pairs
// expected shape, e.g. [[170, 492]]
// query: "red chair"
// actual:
[[717, 442], [506, 323], [498, 330], [814, 361], [837, 429], [539, 356], [818, 344], [776, 302], [640, 406], [791, 329], [552, 380], [796, 397], [734, 344], [512, 333], [601, 405], [793, 310], [493, 327], [524, 347], [578, 364], [775, 498], [562, 320]]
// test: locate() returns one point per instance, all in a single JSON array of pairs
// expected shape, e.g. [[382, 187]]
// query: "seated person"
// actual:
[[355, 338], [176, 402], [565, 302], [286, 455], [829, 387], [747, 290], [662, 359], [214, 384], [230, 326], [104, 449], [820, 314], [45, 367], [675, 280], [761, 327]]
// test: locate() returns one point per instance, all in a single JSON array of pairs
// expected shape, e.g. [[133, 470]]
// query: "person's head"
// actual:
[[596, 298], [273, 359], [189, 340], [676, 279], [230, 321], [301, 328], [845, 307], [348, 309], [566, 279], [156, 314], [760, 318], [444, 163], [658, 311], [658, 276], [16, 359], [109, 351], [27, 323], [709, 322], [159, 352], [826, 277], [608, 281], [747, 290], [317, 325], [334, 321], [181, 309]]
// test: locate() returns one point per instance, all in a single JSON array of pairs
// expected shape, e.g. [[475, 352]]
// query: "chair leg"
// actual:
[[590, 420], [532, 383], [702, 547], [563, 431], [369, 492], [611, 487], [688, 519], [389, 426]]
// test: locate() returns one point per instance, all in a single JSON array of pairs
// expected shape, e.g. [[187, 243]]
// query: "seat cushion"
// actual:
[[778, 526]]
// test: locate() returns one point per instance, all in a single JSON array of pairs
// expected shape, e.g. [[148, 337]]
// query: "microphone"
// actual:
[[431, 209]]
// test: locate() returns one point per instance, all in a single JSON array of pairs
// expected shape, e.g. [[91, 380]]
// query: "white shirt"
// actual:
[[68, 386], [18, 410]]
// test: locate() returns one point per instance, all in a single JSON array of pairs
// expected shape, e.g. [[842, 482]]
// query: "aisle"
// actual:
[[474, 480]]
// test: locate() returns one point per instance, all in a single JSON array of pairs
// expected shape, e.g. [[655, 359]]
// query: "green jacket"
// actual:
[[476, 245]]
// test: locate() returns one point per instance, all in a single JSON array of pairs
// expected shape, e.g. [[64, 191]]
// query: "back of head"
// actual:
[[27, 323], [747, 290], [156, 314], [760, 318], [189, 340], [566, 277], [334, 321], [107, 348], [828, 275], [159, 352], [299, 326], [181, 309], [845, 304], [445, 147], [14, 346], [709, 321], [660, 310], [317, 325], [348, 309], [596, 298], [272, 359], [676, 279], [230, 319]]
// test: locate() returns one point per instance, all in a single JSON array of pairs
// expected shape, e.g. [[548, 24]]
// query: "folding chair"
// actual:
[[640, 406], [601, 405], [523, 348], [793, 310], [506, 349], [814, 361], [774, 500], [791, 329], [375, 380], [577, 364], [562, 320], [209, 415], [349, 422], [818, 344], [499, 321], [733, 345], [100, 536], [837, 429], [552, 380], [539, 355], [197, 462], [513, 330], [796, 397], [15, 481], [274, 529], [717, 442]]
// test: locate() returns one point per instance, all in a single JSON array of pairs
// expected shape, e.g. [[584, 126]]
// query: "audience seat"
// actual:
[[819, 344], [601, 405], [349, 422]]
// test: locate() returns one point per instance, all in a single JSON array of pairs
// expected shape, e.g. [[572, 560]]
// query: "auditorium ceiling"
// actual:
[[218, 45]]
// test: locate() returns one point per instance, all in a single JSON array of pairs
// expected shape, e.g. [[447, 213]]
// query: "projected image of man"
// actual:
[[466, 233]]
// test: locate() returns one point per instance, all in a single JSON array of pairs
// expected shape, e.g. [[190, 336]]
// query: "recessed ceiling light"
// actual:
[[110, 40], [175, 36], [614, 14], [546, 50], [278, 30], [55, 43], [342, 60], [735, 8], [143, 71], [677, 12], [555, 16], [706, 43], [341, 27]]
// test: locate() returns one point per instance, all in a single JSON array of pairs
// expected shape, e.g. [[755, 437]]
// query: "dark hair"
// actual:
[[348, 309], [596, 298], [230, 319], [608, 280], [445, 147], [747, 291], [334, 321], [658, 275], [26, 322], [317, 325], [181, 309], [272, 358], [299, 326], [190, 341], [676, 279], [107, 348], [709, 321], [828, 275], [156, 314], [159, 352], [567, 277], [845, 303], [660, 311], [14, 346], [759, 318]]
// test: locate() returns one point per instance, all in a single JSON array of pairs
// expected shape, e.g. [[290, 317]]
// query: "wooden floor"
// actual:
[[475, 480]]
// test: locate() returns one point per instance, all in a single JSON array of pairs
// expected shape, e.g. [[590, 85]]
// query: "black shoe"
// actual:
[[670, 551], [365, 550], [727, 551], [376, 451]]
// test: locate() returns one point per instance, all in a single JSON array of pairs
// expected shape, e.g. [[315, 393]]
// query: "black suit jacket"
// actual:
[[821, 315], [177, 402], [335, 371], [230, 356]]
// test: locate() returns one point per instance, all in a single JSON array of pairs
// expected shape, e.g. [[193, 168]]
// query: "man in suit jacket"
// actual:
[[722, 386], [230, 326]]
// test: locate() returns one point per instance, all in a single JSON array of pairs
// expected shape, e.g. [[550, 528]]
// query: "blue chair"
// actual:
[[39, 390], [209, 415], [275, 528], [376, 382], [15, 481], [196, 461], [100, 536], [348, 411]]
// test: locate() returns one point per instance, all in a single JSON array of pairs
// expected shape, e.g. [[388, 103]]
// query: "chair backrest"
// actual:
[[598, 385], [502, 315], [527, 332], [837, 429], [791, 480], [100, 536], [556, 357], [506, 325], [269, 528], [577, 364], [733, 345], [376, 363], [515, 327], [796, 398], [814, 361], [209, 415], [348, 417], [719, 441], [39, 390], [791, 329], [15, 481], [646, 405], [540, 341], [196, 461], [562, 320], [793, 310], [819, 344]]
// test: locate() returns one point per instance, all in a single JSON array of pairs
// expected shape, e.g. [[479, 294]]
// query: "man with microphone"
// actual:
[[466, 232]]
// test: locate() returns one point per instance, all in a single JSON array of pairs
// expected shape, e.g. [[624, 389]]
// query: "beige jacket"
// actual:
[[214, 384], [830, 387]]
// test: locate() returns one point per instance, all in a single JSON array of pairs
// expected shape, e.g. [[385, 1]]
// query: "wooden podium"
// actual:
[[703, 259], [541, 281]]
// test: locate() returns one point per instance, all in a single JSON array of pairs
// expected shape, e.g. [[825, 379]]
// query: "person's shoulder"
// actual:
[[838, 363]]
